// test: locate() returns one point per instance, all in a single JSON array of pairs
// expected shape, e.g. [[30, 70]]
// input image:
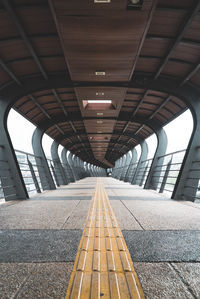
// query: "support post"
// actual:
[[66, 166], [62, 179], [189, 174], [143, 157], [164, 181], [132, 166], [71, 163], [37, 187], [11, 178], [151, 181], [46, 179]]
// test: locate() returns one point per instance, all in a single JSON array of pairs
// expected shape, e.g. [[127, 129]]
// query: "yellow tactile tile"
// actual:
[[103, 267]]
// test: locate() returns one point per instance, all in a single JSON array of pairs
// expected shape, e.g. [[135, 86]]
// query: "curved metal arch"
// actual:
[[12, 92]]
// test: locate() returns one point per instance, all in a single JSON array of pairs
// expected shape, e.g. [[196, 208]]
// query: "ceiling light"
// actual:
[[99, 132], [99, 101], [100, 73], [134, 4], [99, 93], [99, 113], [99, 122], [102, 1]]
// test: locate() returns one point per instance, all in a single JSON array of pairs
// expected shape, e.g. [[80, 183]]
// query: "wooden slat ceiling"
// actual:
[[80, 37]]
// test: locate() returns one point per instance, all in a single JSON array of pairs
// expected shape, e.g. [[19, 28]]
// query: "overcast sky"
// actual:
[[178, 132]]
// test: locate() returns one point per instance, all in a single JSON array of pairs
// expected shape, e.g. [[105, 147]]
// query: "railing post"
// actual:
[[143, 157], [37, 187], [71, 163], [66, 165], [45, 175], [151, 183], [57, 164], [132, 162], [143, 175], [55, 175], [162, 187]]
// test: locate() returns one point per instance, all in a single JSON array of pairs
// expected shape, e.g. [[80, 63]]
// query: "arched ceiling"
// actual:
[[101, 48]]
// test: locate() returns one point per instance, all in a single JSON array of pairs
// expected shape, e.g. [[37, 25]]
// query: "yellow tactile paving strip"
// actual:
[[103, 267]]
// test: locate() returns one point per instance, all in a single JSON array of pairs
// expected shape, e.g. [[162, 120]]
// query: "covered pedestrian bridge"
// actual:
[[99, 77]]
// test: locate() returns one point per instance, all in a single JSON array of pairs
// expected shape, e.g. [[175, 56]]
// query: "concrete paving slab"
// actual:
[[37, 214], [78, 217], [163, 246], [190, 275], [39, 245], [164, 214], [124, 217], [160, 281], [49, 281], [12, 278]]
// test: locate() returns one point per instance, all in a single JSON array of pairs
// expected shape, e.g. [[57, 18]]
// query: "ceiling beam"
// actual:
[[185, 25], [7, 4]]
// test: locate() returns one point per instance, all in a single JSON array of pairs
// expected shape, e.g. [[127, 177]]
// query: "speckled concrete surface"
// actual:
[[160, 281], [39, 245], [163, 246], [34, 280], [153, 211], [137, 210]]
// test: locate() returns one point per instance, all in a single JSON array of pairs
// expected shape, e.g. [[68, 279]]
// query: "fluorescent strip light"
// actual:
[[99, 101]]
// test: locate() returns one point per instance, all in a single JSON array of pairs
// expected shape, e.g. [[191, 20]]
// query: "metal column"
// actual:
[[143, 157], [10, 174], [59, 170], [46, 179], [151, 181]]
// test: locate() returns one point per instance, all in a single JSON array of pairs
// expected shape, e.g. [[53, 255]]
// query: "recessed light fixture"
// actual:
[[134, 4], [102, 1], [99, 93], [99, 113], [99, 121], [100, 73], [99, 132], [99, 102]]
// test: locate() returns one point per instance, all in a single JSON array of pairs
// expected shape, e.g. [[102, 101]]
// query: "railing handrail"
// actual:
[[25, 153], [173, 153]]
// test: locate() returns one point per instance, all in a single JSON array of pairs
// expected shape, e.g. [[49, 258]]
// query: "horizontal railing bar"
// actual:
[[168, 190], [173, 153]]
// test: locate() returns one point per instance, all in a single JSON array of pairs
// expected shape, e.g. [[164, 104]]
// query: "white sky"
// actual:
[[21, 130]]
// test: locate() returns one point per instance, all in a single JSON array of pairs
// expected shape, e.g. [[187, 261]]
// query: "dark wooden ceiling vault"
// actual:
[[101, 48]]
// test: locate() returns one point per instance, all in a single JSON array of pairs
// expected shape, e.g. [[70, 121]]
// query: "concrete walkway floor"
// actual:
[[39, 240]]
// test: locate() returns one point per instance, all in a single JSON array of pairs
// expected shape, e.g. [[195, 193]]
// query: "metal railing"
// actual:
[[143, 171], [29, 165], [166, 172], [52, 170]]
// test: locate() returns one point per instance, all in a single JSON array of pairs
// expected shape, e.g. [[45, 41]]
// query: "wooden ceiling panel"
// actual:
[[46, 46], [155, 48], [21, 69], [147, 65], [53, 64], [188, 53], [36, 19], [7, 53], [194, 29], [166, 23], [6, 26], [177, 69]]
